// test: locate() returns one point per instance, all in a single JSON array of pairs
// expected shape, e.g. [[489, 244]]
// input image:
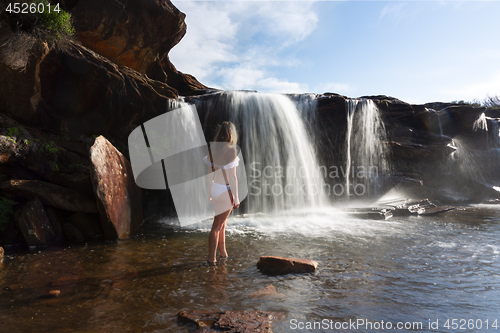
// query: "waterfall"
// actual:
[[439, 123], [495, 132], [366, 147], [280, 160], [437, 113], [480, 123]]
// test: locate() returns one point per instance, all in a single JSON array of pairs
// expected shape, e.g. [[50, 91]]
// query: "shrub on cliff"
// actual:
[[492, 102], [58, 21], [31, 28], [36, 16]]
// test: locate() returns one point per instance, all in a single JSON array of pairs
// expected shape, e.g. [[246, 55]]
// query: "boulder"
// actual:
[[2, 252], [185, 84], [86, 225], [230, 321], [118, 197], [34, 224], [54, 221], [50, 194], [140, 37], [89, 94], [72, 232], [280, 265], [26, 153], [70, 90]]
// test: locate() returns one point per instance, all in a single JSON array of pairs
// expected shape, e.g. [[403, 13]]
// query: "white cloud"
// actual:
[[248, 78], [292, 21], [209, 39], [335, 87], [477, 90], [274, 85], [396, 11], [235, 45], [241, 78]]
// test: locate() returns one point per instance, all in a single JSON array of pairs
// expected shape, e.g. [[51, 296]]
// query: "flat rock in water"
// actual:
[[118, 197], [230, 321], [280, 265], [371, 213], [434, 210]]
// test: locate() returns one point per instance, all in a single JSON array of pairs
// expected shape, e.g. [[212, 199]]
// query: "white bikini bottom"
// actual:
[[218, 189]]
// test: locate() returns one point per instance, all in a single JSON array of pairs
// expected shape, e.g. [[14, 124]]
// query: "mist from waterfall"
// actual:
[[282, 168], [366, 146]]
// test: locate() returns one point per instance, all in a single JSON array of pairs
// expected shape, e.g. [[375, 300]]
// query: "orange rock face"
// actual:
[[118, 197]]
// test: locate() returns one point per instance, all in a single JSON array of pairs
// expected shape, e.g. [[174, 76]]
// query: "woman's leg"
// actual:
[[222, 240], [215, 235]]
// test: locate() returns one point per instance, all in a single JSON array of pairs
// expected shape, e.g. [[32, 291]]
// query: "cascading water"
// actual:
[[496, 133], [282, 169], [472, 162], [366, 147], [480, 123], [438, 116]]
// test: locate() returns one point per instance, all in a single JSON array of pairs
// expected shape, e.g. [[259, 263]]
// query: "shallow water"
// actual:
[[411, 269]]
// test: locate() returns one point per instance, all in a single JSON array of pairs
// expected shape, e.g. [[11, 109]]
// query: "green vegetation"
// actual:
[[12, 134], [49, 147], [5, 211], [31, 15], [57, 21], [12, 131]]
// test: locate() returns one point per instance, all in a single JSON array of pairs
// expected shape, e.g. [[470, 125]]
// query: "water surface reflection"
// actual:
[[405, 269]]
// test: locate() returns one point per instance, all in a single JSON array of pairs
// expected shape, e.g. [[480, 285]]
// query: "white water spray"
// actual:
[[366, 145], [282, 168]]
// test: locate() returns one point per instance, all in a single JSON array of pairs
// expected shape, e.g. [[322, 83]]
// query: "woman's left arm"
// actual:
[[233, 182]]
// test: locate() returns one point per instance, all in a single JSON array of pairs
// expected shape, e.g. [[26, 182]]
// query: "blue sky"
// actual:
[[417, 51]]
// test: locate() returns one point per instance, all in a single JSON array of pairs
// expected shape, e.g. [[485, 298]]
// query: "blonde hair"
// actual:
[[226, 132]]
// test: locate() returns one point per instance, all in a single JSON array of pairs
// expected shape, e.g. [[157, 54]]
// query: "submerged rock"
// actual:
[[230, 321], [267, 293], [371, 213], [118, 197], [281, 265], [419, 207]]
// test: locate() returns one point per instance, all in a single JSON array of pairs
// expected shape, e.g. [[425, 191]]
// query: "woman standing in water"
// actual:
[[222, 183]]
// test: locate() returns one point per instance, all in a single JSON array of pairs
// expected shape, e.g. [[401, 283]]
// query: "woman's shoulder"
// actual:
[[230, 152]]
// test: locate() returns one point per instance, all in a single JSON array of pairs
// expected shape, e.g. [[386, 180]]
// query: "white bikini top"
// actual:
[[233, 164]]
